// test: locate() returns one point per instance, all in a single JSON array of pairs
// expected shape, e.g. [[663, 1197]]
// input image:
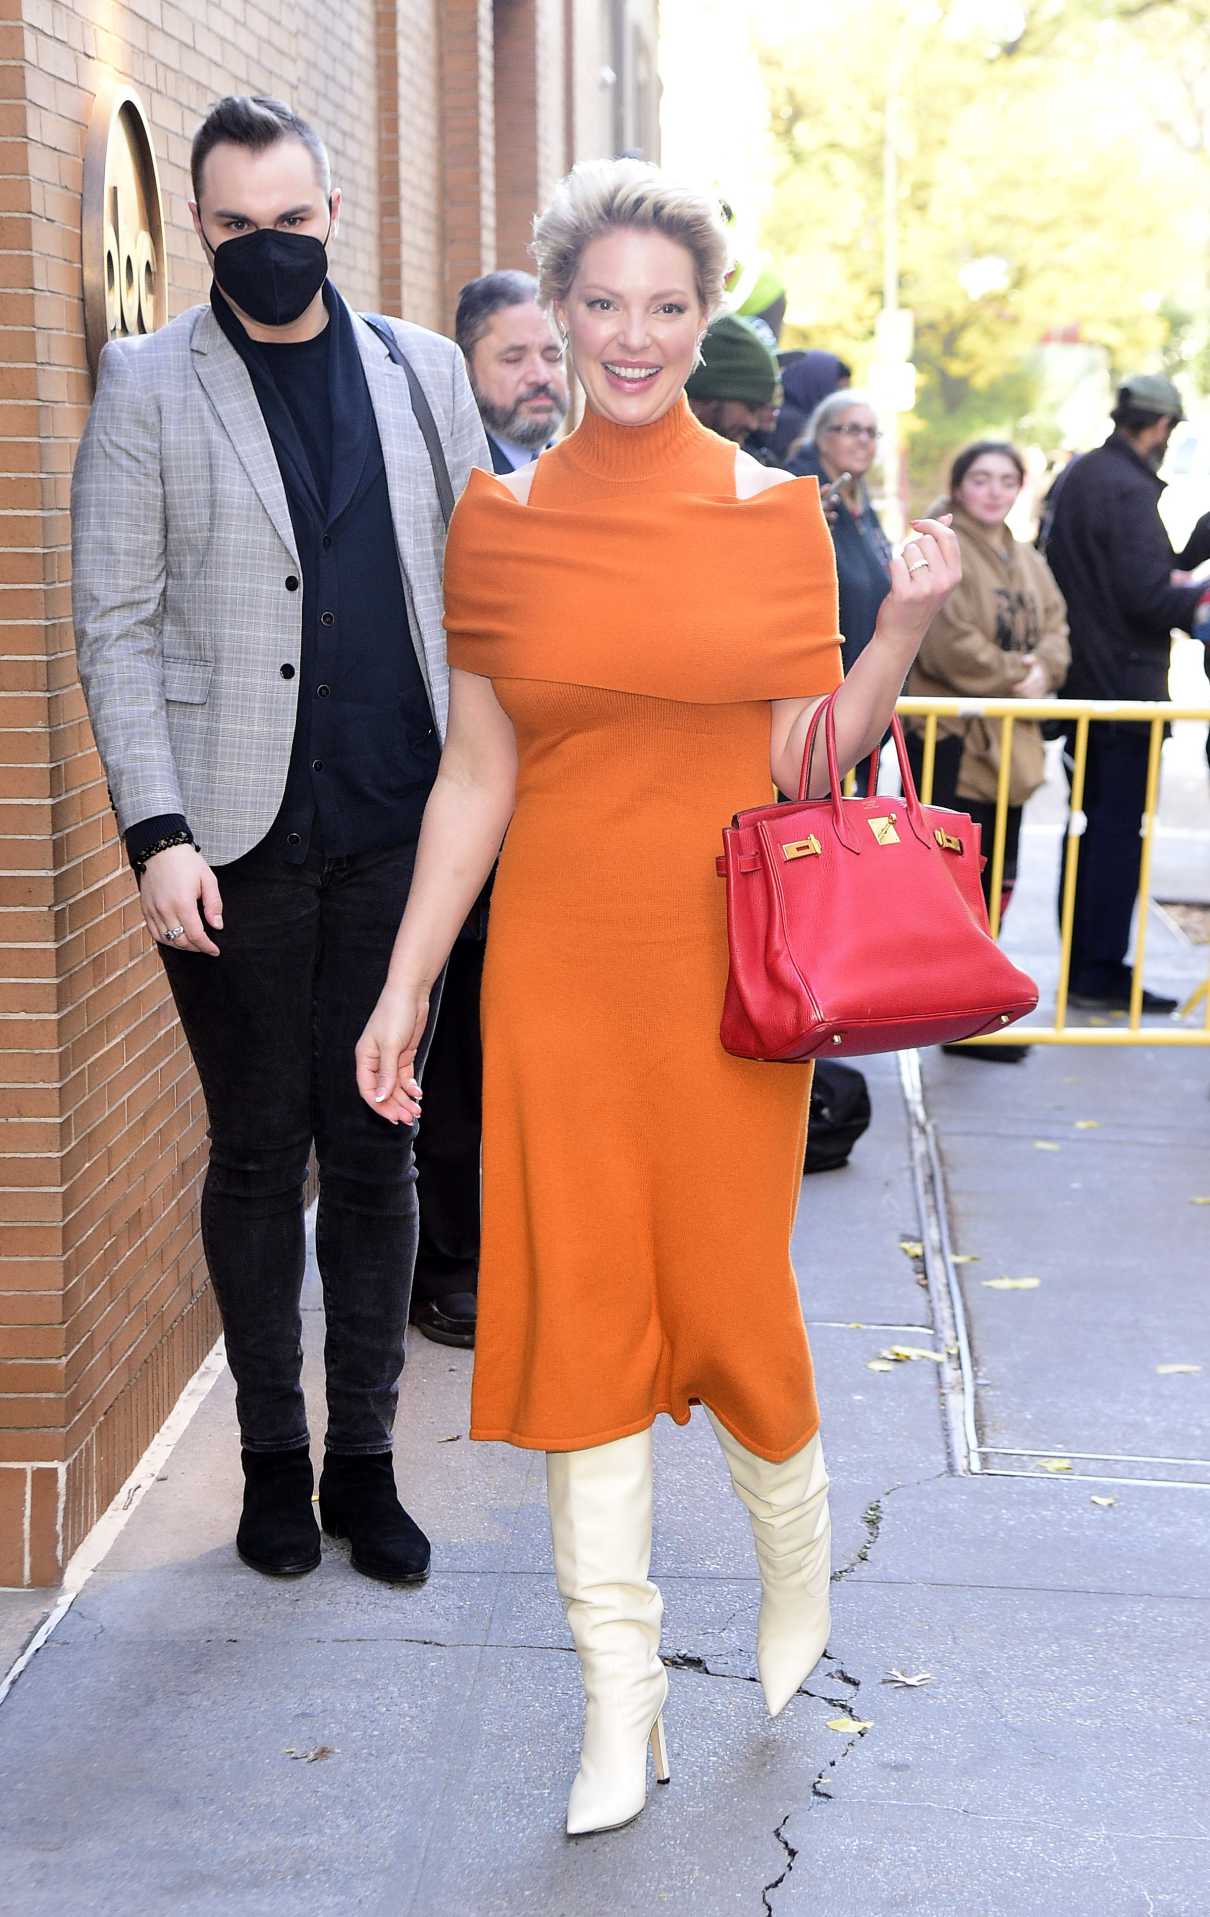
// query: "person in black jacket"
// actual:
[[841, 445], [1195, 553], [1106, 545]]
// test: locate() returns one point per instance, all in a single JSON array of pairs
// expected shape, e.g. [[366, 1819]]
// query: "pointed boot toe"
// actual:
[[788, 1651], [610, 1788], [787, 1503]]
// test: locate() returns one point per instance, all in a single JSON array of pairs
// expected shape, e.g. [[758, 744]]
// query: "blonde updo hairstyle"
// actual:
[[598, 195]]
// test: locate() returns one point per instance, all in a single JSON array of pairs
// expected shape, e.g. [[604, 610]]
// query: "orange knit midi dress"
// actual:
[[635, 619]]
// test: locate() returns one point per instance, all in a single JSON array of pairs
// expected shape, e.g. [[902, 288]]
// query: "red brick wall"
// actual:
[[531, 134], [467, 143], [104, 1306]]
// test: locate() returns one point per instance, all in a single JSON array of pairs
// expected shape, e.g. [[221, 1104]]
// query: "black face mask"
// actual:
[[271, 276]]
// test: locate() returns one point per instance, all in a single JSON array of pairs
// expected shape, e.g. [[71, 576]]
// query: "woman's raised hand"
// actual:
[[923, 574], [386, 1055]]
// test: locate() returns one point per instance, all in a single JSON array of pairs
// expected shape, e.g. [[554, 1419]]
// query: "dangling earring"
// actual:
[[699, 357]]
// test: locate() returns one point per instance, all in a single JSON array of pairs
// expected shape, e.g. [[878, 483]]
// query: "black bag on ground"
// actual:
[[840, 1112]]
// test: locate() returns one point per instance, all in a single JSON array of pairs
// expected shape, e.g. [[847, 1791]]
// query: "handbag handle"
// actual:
[[825, 711]]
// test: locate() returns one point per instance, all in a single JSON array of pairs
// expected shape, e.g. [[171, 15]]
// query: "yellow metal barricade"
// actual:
[[1080, 715]]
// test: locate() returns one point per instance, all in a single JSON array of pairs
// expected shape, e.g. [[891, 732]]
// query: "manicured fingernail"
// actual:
[[378, 1097]]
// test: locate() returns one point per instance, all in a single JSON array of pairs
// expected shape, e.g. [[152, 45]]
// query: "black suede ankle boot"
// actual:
[[277, 1532], [358, 1501]]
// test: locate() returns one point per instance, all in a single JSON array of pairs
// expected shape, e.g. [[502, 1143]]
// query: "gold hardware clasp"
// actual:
[[884, 830], [809, 848], [947, 841]]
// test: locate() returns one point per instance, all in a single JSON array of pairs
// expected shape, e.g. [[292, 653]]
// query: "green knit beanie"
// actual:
[[738, 365]]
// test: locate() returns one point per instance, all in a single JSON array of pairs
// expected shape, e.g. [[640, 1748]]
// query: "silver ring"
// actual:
[[175, 932], [922, 565]]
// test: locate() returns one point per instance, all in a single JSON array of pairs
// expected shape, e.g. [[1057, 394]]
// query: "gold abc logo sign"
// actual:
[[124, 258]]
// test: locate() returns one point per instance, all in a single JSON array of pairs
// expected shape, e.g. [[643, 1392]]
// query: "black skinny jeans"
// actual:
[[1111, 852], [272, 1025], [947, 760]]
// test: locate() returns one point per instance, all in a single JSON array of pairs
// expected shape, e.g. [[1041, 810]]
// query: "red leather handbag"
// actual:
[[858, 925]]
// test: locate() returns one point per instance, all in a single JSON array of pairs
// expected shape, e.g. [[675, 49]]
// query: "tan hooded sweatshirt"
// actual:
[[1006, 607]]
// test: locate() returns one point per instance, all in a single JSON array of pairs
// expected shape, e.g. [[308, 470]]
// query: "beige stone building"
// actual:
[[447, 124]]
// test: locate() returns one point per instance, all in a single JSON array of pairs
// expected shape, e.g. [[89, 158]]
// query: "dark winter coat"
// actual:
[[863, 562], [1107, 547]]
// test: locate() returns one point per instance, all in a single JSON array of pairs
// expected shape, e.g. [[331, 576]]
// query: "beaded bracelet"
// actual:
[[181, 837]]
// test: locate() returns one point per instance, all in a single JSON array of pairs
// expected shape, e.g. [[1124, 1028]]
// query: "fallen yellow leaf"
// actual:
[[903, 1353], [855, 1324], [1054, 1464], [850, 1724], [1046, 1145], [1088, 1124], [1105, 1503], [879, 1364], [1010, 1284], [1166, 1371], [965, 1258], [1200, 1201], [914, 1248]]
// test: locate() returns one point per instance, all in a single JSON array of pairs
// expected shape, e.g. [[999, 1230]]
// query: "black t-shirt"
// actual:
[[300, 370]]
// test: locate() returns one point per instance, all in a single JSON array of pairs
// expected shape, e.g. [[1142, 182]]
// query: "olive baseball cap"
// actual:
[[1152, 393]]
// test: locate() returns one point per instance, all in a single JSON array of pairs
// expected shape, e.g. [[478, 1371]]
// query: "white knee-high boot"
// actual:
[[788, 1506], [600, 1522]]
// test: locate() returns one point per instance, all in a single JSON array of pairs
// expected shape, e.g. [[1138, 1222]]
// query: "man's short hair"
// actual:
[[1129, 418], [481, 298], [255, 122]]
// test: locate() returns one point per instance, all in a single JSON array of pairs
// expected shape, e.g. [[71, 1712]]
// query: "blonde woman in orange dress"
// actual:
[[640, 627]]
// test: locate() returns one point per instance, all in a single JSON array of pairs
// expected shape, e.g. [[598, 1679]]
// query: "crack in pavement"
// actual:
[[873, 1517], [791, 1855]]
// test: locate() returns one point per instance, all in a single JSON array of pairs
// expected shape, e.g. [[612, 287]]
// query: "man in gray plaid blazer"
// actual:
[[258, 535]]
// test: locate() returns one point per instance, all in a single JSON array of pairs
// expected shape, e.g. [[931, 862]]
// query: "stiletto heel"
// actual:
[[659, 1750]]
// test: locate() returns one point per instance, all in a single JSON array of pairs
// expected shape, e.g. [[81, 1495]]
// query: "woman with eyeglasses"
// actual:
[[840, 443]]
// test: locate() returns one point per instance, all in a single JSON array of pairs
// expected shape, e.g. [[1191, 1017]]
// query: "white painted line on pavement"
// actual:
[[1097, 1477], [944, 1289], [105, 1532]]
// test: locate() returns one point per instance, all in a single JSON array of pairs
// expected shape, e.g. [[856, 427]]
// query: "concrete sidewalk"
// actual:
[[1058, 1760]]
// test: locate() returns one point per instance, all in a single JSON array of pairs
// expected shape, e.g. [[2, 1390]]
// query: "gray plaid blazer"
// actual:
[[181, 549]]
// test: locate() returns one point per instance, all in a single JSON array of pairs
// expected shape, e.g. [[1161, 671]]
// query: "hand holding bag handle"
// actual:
[[825, 711]]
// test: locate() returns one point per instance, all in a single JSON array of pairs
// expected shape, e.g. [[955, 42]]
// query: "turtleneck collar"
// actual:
[[609, 451]]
